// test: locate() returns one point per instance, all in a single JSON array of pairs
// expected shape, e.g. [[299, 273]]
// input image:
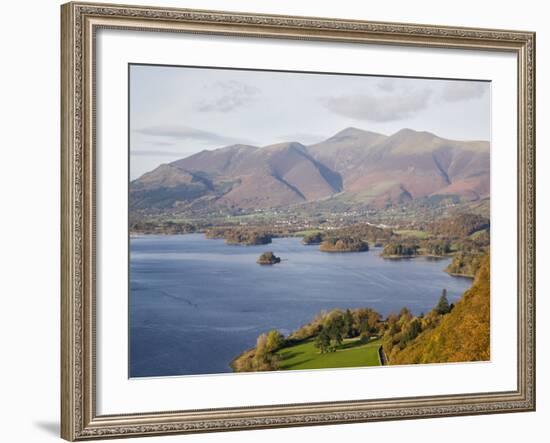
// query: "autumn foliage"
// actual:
[[459, 336]]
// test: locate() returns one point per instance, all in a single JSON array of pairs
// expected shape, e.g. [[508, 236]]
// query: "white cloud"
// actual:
[[186, 133], [379, 108]]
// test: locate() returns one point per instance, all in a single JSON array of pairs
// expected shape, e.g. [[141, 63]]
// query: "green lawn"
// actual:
[[351, 354]]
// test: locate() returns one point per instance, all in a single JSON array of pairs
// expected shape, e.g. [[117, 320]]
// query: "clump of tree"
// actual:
[[214, 233], [400, 249], [403, 328], [264, 356], [343, 244], [323, 342], [476, 243], [363, 323], [329, 329], [366, 232], [413, 329], [436, 247], [246, 237], [234, 231], [162, 228], [465, 263], [268, 258], [313, 238], [459, 226], [241, 237], [331, 334]]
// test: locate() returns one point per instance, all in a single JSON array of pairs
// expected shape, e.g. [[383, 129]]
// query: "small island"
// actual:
[[314, 238], [268, 258], [399, 250], [343, 244], [235, 236]]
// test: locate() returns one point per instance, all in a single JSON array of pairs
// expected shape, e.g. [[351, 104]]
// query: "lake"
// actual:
[[197, 303]]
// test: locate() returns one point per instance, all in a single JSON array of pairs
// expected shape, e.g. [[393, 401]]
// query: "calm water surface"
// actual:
[[197, 303]]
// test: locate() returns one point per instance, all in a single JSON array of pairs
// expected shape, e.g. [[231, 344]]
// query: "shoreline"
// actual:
[[344, 251], [456, 274], [341, 250], [410, 257]]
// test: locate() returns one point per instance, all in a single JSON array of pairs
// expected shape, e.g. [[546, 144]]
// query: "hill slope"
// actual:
[[463, 334]]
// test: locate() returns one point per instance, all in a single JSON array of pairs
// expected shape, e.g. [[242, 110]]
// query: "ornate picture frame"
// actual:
[[80, 23]]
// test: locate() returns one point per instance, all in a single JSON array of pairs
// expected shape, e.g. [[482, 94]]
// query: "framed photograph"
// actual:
[[277, 221]]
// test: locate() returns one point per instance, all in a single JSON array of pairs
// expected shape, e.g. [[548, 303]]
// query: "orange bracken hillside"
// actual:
[[463, 334]]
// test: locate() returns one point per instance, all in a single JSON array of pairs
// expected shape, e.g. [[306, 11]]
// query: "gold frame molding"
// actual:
[[79, 22]]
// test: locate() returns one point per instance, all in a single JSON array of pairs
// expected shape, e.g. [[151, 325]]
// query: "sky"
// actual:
[[178, 111]]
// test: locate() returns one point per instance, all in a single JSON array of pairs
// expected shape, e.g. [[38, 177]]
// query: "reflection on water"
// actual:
[[197, 303]]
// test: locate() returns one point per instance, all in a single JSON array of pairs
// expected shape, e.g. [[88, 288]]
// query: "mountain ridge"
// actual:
[[355, 164]]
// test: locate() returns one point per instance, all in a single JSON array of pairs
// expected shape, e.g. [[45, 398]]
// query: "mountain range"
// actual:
[[355, 165]]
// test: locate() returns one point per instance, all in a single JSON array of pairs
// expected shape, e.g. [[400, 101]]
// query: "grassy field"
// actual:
[[412, 233], [351, 354]]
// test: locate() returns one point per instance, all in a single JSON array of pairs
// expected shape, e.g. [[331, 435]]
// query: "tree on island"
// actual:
[[438, 247], [443, 306], [400, 250], [343, 244], [313, 238], [243, 237], [268, 258]]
